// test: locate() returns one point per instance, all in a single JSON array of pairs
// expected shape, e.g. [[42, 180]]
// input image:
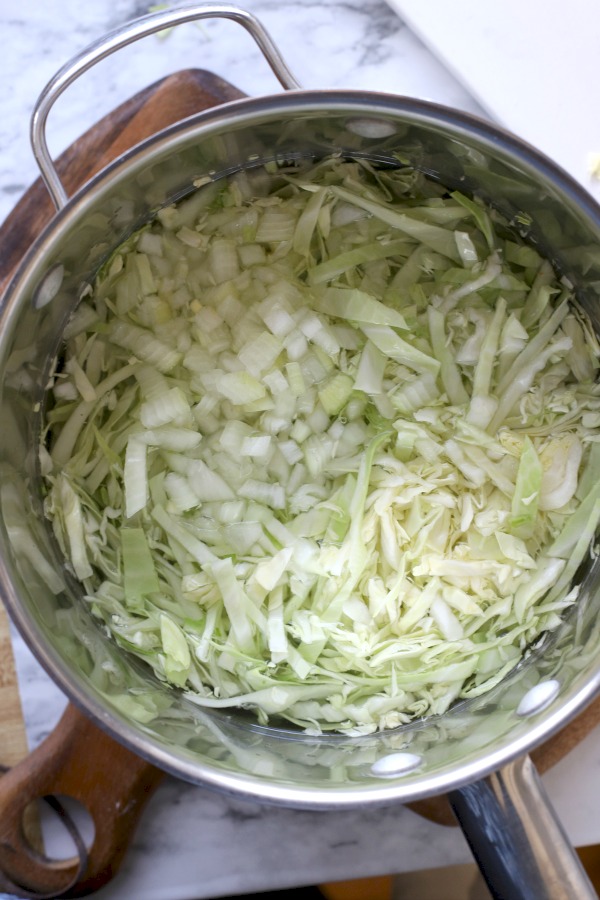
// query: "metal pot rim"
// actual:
[[232, 115]]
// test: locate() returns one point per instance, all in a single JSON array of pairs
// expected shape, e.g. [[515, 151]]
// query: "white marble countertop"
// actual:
[[193, 843]]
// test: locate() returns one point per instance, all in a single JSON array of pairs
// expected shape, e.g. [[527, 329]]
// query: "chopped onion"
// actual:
[[330, 451]]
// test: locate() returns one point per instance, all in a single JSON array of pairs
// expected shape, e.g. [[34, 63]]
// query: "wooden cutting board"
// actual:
[[159, 105], [78, 759], [13, 741]]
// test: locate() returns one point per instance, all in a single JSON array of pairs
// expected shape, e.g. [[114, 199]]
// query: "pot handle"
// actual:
[[121, 37], [518, 842]]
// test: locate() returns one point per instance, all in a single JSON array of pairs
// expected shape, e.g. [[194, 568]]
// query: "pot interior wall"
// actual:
[[229, 750]]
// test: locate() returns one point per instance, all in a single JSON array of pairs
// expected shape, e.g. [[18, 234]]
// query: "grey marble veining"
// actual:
[[193, 842], [43, 702], [326, 44], [240, 843]]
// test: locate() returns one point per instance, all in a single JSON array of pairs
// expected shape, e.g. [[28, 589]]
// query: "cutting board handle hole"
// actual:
[[59, 844]]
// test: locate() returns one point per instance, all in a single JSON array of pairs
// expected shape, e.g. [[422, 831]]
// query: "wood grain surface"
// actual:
[[13, 742], [79, 759], [168, 101]]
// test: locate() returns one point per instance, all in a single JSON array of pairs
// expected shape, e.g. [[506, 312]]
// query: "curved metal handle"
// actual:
[[519, 844], [121, 37]]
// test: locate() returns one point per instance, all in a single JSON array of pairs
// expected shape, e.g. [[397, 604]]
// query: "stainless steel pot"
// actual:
[[476, 751]]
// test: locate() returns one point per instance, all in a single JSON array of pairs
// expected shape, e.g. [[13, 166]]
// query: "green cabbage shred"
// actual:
[[323, 443]]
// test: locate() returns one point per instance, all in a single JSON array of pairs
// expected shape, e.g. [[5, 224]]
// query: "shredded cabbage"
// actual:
[[324, 444]]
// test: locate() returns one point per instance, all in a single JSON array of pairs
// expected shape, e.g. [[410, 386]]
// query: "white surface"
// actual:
[[193, 843], [532, 64], [351, 44]]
